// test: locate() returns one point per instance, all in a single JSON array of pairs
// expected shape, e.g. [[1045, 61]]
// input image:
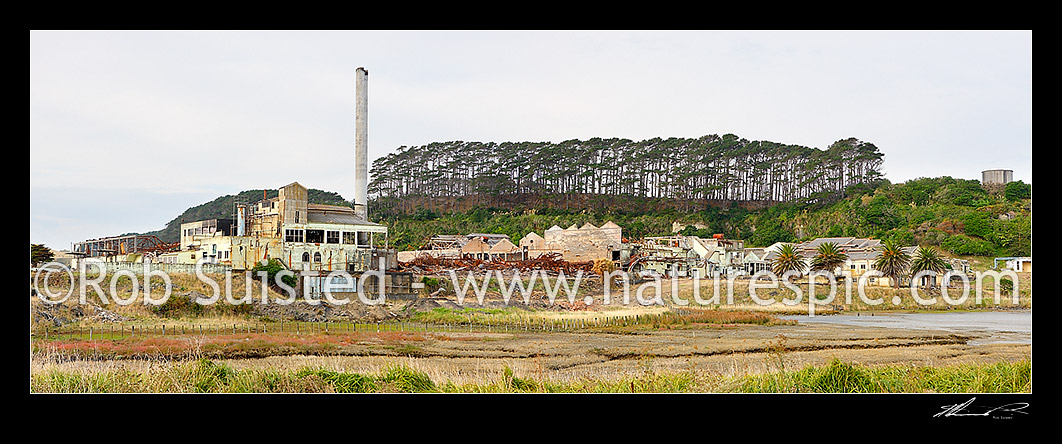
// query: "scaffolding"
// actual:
[[133, 243]]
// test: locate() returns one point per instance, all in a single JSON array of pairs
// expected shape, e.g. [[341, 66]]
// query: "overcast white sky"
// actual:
[[129, 128]]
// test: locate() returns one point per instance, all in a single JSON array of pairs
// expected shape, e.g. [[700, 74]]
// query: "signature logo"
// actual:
[[968, 409]]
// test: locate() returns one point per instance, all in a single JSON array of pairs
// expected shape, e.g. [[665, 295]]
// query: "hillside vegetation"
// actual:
[[711, 168], [223, 208], [956, 215]]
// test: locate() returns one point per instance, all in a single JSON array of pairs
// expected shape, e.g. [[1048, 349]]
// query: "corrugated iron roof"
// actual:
[[330, 214]]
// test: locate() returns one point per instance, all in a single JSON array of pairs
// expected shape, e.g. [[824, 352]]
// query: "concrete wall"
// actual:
[[450, 253], [247, 250], [584, 244], [535, 245], [138, 268]]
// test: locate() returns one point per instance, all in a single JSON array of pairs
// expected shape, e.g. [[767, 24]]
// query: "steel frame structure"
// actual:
[[134, 243]]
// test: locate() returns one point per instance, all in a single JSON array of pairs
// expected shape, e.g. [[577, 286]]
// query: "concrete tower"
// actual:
[[361, 148], [997, 177]]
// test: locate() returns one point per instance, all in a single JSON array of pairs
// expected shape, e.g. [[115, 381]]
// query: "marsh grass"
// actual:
[[842, 377], [202, 375]]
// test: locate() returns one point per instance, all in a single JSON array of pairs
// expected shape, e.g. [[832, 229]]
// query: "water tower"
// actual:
[[997, 177]]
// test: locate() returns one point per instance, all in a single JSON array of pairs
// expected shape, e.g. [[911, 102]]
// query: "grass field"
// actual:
[[184, 351], [207, 376]]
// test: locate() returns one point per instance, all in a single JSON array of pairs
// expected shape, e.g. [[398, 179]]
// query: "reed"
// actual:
[[206, 376]]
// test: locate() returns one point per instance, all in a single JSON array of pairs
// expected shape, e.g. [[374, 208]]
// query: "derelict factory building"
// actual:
[[304, 236]]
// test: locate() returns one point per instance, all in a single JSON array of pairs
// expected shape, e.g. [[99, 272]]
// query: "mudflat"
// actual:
[[468, 357]]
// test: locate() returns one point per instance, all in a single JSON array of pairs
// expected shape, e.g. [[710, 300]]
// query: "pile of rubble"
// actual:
[[549, 263], [62, 314]]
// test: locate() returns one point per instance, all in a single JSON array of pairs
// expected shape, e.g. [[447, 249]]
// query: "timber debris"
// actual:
[[548, 262]]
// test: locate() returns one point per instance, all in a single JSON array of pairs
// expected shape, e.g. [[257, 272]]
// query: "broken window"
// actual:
[[315, 236], [348, 237], [317, 257], [292, 235], [363, 238], [306, 257], [332, 237]]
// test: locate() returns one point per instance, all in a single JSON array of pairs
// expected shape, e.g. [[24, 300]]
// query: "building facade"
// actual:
[[685, 256], [303, 236], [578, 244]]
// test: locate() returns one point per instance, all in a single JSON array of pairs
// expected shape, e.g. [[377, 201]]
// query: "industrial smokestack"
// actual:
[[241, 217], [361, 148]]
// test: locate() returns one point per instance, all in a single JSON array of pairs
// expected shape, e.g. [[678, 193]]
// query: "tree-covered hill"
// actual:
[[955, 215], [710, 168], [761, 192], [223, 207]]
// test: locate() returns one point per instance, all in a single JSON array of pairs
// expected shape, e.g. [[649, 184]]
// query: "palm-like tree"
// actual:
[[788, 259], [893, 261], [828, 257], [927, 258]]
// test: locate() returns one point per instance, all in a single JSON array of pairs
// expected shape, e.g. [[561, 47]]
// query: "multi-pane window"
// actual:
[[348, 237], [332, 237], [291, 235]]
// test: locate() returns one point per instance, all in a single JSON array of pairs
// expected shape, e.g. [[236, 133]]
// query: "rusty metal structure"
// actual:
[[549, 263], [133, 243]]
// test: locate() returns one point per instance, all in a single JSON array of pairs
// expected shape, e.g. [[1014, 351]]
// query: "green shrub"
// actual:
[[977, 224], [408, 380], [272, 268], [210, 377], [512, 382], [342, 382], [431, 284], [1017, 190], [967, 246], [176, 306]]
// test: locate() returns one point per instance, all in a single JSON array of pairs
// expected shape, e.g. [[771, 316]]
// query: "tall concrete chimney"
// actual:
[[361, 148]]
